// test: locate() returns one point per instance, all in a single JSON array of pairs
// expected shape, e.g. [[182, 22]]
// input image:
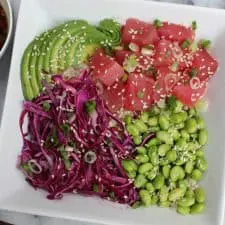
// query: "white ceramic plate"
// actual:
[[35, 17]]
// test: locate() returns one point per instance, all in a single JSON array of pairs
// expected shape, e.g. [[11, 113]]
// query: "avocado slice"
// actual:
[[51, 56]]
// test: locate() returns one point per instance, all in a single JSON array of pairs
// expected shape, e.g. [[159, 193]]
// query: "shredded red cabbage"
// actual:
[[61, 135]]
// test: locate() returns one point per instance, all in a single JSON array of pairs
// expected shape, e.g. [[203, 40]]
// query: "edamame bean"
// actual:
[[196, 175], [176, 173], [201, 164], [163, 193], [178, 107], [176, 194], [165, 204], [192, 112], [164, 122], [150, 187], [142, 158], [191, 126], [164, 137], [180, 126], [189, 193], [140, 181], [183, 210], [141, 150], [153, 121], [163, 149], [152, 174], [185, 135], [155, 110], [203, 137], [141, 126], [158, 182], [129, 165], [154, 129], [145, 168], [154, 158], [128, 119], [163, 161], [200, 122], [137, 140], [174, 133], [132, 130], [189, 166], [171, 156], [200, 153], [152, 142], [186, 202], [183, 184], [180, 117], [144, 117], [166, 171], [198, 208], [131, 174], [181, 144], [200, 195], [145, 197], [155, 199]]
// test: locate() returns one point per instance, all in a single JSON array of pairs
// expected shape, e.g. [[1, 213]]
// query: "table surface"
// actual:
[[24, 219]]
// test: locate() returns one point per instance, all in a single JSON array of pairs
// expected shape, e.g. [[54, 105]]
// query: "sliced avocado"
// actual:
[[25, 73], [51, 57]]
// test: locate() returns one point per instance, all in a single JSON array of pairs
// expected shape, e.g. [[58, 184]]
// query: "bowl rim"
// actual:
[[10, 28]]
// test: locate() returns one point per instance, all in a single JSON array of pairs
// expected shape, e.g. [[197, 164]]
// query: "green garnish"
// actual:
[[157, 23], [140, 94], [27, 168], [185, 44], [194, 25], [171, 103], [65, 128], [174, 66], [193, 72], [46, 106], [205, 44], [124, 78], [150, 47], [90, 106], [65, 157], [130, 63], [193, 46], [95, 188]]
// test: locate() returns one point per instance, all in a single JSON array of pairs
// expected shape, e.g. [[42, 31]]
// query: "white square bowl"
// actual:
[[35, 17]]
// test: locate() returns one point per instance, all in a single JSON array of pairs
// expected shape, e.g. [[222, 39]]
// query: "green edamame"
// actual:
[[181, 144], [142, 158], [141, 126], [177, 173], [128, 119], [200, 195], [158, 182], [165, 204], [191, 125], [153, 121], [140, 181], [179, 117], [203, 137], [174, 133], [163, 194], [178, 107], [201, 164], [164, 122], [189, 193], [183, 184], [141, 150], [131, 174], [129, 165], [171, 156], [152, 174], [150, 187], [155, 199], [183, 210], [137, 140], [152, 142], [199, 153], [197, 208], [186, 202], [166, 171], [132, 130], [196, 175], [164, 137], [163, 149], [144, 117], [144, 168], [176, 194], [185, 135], [155, 110], [200, 122], [145, 197], [154, 158], [192, 112], [189, 166]]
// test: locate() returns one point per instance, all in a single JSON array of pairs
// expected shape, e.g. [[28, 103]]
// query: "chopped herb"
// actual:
[[194, 25], [193, 72], [140, 94], [26, 168], [112, 195], [65, 157], [65, 128], [95, 188], [205, 44], [174, 66], [193, 46], [171, 103], [124, 78], [130, 63], [185, 44], [150, 47], [152, 71], [157, 23], [90, 106], [46, 106]]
